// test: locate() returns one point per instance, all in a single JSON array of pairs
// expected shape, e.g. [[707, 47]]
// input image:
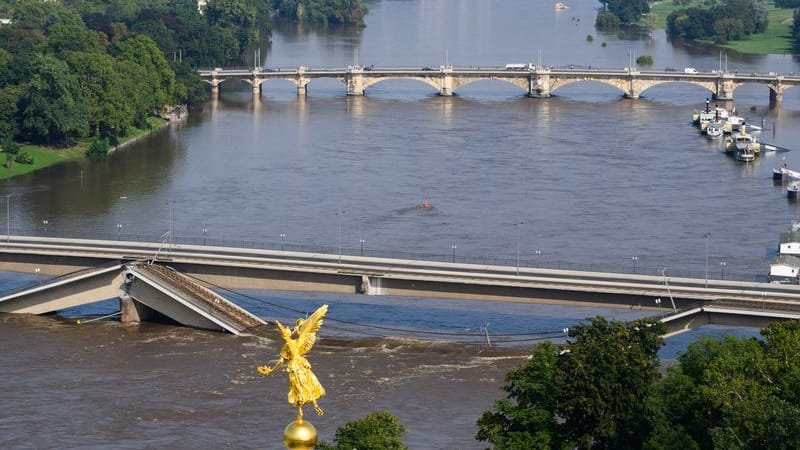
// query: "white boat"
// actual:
[[743, 145], [702, 118], [715, 129]]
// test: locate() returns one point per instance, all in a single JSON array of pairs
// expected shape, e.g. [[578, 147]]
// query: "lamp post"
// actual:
[[119, 230], [8, 219], [707, 236], [454, 247], [283, 239], [362, 246], [45, 222], [517, 225], [205, 233], [538, 257], [658, 303], [339, 214], [634, 259], [722, 265], [169, 236]]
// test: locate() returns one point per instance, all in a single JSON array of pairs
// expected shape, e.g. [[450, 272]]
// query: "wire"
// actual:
[[542, 335]]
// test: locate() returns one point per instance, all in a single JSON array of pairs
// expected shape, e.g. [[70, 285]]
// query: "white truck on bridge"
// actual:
[[520, 66]]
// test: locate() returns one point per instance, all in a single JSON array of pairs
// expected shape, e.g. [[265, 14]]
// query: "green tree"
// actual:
[[109, 110], [738, 393], [376, 431], [595, 392], [9, 113], [628, 11], [606, 21], [159, 83], [644, 60], [48, 108]]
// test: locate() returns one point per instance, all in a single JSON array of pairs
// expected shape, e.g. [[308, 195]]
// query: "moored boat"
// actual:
[[745, 146], [715, 129]]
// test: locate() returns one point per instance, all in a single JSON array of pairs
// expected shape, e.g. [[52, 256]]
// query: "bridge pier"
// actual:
[[256, 84], [776, 91], [132, 311], [354, 80], [539, 83], [301, 81], [446, 82], [725, 88]]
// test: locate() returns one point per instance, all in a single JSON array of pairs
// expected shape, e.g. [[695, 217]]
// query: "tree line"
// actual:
[[95, 68], [723, 21], [604, 389]]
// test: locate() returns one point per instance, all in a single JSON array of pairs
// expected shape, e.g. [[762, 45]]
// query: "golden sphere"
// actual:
[[300, 435]]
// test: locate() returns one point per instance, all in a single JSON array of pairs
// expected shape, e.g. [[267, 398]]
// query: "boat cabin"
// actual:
[[784, 269], [790, 243]]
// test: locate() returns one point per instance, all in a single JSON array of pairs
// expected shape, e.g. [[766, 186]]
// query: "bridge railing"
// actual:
[[544, 260]]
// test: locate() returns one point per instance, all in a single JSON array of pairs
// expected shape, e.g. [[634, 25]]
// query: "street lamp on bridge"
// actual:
[[707, 235], [634, 259], [454, 247], [517, 225]]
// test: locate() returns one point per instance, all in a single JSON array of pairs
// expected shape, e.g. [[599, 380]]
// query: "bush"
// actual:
[[645, 60], [9, 146], [376, 431], [589, 38], [606, 21], [24, 158], [98, 149]]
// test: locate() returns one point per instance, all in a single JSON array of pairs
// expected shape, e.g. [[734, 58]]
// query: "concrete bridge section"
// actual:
[[146, 291], [538, 82], [155, 288], [731, 313], [237, 268]]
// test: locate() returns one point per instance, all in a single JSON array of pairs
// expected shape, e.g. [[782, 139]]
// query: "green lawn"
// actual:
[[777, 39], [46, 156]]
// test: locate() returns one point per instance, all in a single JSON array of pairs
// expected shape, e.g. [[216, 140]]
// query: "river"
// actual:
[[591, 179]]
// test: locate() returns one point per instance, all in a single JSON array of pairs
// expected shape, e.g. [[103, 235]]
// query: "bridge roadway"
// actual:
[[709, 301], [537, 81]]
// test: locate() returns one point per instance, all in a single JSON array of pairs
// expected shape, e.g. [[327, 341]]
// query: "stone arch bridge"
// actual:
[[536, 81]]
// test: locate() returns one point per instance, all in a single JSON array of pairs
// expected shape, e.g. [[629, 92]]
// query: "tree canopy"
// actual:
[[376, 431], [602, 390], [723, 21]]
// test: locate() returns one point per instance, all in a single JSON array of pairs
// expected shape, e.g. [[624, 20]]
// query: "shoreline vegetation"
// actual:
[[776, 39], [44, 156]]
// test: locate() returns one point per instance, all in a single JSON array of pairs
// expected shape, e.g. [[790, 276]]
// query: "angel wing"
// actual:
[[307, 332]]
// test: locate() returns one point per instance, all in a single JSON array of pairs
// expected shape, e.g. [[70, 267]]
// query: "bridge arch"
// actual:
[[522, 83], [434, 82], [556, 83], [647, 84]]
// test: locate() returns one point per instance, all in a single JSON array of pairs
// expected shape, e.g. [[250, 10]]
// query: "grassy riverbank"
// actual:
[[48, 156], [777, 39]]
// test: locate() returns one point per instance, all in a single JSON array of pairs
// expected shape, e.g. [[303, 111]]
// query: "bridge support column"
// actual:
[[776, 92], [539, 84], [725, 88], [354, 80], [215, 82], [301, 82], [446, 82], [256, 82], [132, 311], [633, 89], [366, 286]]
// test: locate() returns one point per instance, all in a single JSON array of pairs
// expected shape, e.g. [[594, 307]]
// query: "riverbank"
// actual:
[[777, 39], [47, 156]]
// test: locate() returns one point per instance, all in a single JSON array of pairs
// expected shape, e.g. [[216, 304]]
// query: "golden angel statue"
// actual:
[[303, 384]]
